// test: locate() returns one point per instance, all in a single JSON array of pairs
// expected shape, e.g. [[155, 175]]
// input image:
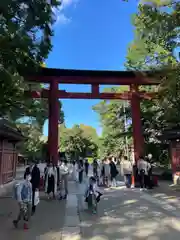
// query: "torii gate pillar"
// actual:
[[138, 137], [53, 122]]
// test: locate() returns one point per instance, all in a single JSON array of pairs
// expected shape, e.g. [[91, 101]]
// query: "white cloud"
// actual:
[[67, 2], [61, 18]]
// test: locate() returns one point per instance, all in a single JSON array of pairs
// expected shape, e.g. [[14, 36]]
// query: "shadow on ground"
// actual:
[[46, 224], [122, 214]]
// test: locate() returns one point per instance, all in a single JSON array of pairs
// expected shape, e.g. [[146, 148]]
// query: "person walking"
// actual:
[[149, 174], [51, 180], [23, 194], [106, 173], [35, 181], [28, 170], [34, 172], [80, 170], [86, 165], [127, 171], [74, 171], [114, 172], [143, 168], [95, 168], [64, 172]]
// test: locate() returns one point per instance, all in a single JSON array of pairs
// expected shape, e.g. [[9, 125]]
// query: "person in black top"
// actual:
[[86, 165], [95, 168], [80, 169], [113, 171], [27, 171], [149, 181], [35, 181]]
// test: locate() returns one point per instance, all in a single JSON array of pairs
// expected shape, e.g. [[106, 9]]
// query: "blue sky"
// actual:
[[90, 34]]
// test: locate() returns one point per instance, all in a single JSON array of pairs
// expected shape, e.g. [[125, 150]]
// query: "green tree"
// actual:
[[32, 147], [25, 41], [76, 142], [90, 133], [155, 48], [30, 121], [155, 41], [113, 140]]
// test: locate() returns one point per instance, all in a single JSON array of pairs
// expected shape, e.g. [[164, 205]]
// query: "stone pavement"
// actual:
[[130, 214], [54, 219], [46, 224], [168, 194], [122, 214]]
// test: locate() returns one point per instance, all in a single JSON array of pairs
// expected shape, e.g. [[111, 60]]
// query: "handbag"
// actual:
[[36, 198]]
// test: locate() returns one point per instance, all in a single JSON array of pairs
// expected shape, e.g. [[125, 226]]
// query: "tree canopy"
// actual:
[[155, 47], [113, 124], [25, 42], [78, 141]]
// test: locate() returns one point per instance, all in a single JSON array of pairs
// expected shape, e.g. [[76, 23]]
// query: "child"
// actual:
[[92, 187], [23, 194]]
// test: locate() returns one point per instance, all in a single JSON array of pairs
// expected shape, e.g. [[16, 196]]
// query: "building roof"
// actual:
[[9, 131]]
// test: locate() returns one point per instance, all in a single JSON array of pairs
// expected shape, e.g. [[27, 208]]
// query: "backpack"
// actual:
[[23, 193], [15, 190]]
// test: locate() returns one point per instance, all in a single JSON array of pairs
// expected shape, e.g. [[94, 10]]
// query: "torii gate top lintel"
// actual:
[[100, 77]]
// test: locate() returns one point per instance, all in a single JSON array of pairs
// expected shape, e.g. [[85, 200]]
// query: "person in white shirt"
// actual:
[[127, 171], [143, 168], [64, 172]]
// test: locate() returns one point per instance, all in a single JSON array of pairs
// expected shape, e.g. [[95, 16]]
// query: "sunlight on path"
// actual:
[[129, 214], [122, 214]]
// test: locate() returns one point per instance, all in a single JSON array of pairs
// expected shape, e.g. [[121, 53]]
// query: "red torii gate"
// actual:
[[95, 79]]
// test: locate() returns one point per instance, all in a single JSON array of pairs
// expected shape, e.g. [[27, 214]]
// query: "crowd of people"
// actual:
[[142, 172], [104, 171], [55, 180]]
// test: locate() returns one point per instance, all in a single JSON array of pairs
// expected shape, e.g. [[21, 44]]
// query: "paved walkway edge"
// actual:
[[71, 229]]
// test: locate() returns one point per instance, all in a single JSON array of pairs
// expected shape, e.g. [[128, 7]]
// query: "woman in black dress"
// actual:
[[81, 170], [51, 180], [113, 171]]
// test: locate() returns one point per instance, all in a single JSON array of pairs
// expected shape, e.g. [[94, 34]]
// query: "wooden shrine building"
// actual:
[[9, 137]]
